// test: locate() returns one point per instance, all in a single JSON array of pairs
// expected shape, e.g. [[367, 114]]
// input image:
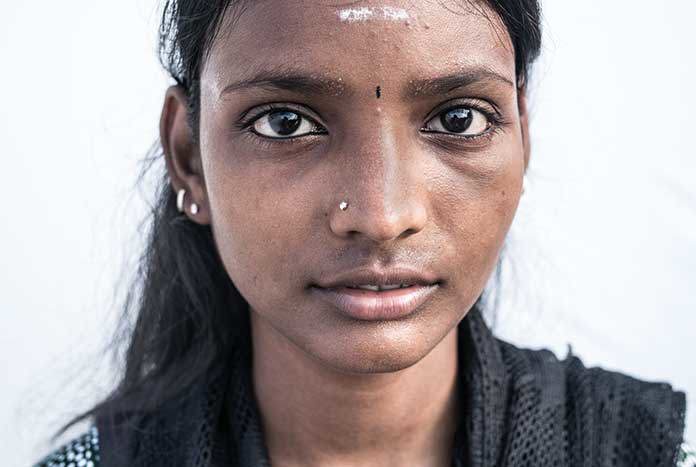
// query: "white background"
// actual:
[[603, 249]]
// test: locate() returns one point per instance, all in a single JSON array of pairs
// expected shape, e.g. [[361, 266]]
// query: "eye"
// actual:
[[285, 123], [464, 121]]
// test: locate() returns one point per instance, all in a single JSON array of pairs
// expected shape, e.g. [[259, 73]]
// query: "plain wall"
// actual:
[[602, 254]]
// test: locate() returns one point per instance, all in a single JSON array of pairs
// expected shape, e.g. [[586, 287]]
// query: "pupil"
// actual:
[[457, 120], [284, 122]]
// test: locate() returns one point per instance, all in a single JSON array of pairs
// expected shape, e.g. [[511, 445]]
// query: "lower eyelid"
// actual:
[[257, 138], [490, 132], [288, 138]]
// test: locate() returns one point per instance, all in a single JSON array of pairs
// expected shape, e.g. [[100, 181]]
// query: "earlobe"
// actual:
[[182, 155]]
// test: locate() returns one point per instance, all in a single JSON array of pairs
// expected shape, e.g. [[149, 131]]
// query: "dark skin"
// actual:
[[334, 390]]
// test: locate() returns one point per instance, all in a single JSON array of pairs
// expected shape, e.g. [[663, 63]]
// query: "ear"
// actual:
[[524, 123], [182, 154]]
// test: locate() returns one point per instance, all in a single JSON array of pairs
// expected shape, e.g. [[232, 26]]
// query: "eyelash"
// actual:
[[246, 122]]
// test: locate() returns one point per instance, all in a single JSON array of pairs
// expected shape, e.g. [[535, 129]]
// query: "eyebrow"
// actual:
[[448, 83], [289, 80], [292, 80]]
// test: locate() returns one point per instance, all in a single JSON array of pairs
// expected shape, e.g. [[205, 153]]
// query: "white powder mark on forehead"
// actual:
[[356, 14], [385, 13], [394, 14]]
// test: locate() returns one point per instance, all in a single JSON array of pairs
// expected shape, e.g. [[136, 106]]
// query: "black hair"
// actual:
[[183, 312]]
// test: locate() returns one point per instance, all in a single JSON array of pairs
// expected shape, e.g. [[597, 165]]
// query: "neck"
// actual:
[[314, 415]]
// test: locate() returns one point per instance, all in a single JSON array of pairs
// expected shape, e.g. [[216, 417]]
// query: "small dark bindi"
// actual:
[[378, 92]]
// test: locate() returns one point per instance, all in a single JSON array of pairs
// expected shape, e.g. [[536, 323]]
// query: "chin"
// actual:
[[386, 348], [373, 364]]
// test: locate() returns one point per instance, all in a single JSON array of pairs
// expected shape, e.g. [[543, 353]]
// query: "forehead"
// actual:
[[362, 41]]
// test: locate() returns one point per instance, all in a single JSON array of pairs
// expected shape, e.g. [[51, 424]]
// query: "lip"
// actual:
[[368, 305], [371, 305]]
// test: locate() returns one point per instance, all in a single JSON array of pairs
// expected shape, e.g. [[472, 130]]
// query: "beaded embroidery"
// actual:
[[687, 456], [81, 452]]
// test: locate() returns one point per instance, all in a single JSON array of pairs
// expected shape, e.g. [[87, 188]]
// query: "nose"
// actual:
[[383, 183]]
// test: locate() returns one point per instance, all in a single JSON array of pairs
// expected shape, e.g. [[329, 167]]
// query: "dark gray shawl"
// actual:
[[520, 408]]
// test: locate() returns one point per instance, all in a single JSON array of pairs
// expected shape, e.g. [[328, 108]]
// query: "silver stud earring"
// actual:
[[343, 206], [194, 209]]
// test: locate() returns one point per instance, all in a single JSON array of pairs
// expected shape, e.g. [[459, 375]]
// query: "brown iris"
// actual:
[[457, 120], [284, 122]]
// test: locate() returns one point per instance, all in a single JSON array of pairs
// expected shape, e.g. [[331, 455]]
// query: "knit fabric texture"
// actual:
[[519, 408]]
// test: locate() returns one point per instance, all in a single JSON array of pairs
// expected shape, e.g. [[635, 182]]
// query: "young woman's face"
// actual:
[[408, 112]]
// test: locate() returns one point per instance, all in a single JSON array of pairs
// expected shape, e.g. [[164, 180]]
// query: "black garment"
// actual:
[[520, 408]]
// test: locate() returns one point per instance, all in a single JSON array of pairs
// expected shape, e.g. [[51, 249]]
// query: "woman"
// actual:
[[340, 179]]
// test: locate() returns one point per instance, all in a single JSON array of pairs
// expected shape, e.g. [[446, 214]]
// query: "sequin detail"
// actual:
[[81, 452]]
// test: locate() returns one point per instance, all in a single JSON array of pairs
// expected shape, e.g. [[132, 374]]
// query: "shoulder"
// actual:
[[80, 452], [84, 452], [606, 413], [613, 388]]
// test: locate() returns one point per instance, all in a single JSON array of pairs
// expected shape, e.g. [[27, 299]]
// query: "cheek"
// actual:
[[258, 224], [477, 211]]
